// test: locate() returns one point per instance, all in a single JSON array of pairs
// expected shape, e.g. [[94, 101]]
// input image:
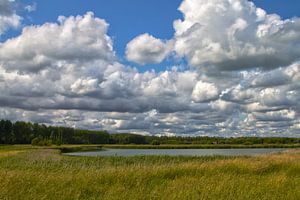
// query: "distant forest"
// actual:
[[39, 134]]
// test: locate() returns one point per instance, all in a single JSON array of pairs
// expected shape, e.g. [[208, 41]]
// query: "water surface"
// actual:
[[177, 152]]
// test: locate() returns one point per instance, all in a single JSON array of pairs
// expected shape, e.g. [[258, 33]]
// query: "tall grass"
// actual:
[[42, 173]]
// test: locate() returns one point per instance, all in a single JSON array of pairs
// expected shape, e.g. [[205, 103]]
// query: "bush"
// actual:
[[58, 143], [247, 143], [38, 141], [35, 141], [155, 142]]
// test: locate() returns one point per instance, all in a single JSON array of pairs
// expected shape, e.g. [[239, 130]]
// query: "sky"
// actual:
[[162, 67]]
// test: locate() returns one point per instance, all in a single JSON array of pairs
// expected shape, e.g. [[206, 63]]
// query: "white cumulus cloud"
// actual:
[[235, 34], [204, 92], [146, 49], [66, 73], [72, 39]]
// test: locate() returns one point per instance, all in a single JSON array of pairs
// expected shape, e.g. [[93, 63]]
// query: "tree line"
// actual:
[[39, 134]]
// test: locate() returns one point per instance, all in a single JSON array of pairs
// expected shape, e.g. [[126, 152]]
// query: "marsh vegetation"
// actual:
[[28, 172]]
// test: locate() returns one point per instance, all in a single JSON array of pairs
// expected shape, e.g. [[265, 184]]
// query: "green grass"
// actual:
[[43, 173]]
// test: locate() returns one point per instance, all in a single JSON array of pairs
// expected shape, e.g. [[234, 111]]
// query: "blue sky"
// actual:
[[240, 70], [130, 18]]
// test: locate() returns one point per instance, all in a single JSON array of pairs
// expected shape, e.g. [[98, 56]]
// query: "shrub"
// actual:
[[155, 142], [38, 141], [35, 141]]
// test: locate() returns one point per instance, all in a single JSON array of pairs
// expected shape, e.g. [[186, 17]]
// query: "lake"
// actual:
[[177, 152]]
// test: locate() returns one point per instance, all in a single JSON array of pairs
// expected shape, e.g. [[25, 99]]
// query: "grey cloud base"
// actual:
[[68, 74], [8, 16]]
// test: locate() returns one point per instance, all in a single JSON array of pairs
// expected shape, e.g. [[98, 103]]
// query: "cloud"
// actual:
[[66, 73], [204, 92], [30, 8], [224, 35], [6, 8], [239, 94], [73, 39], [8, 16], [84, 86], [271, 79], [146, 49], [235, 34], [280, 115]]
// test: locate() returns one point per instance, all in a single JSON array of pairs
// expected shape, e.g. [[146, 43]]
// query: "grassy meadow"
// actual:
[[28, 172]]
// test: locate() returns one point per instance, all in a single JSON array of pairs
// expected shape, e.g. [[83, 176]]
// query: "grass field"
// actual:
[[43, 173]]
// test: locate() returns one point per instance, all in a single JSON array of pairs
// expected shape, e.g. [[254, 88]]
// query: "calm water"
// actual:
[[176, 152]]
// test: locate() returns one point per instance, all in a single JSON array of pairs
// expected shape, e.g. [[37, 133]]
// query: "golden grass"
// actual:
[[10, 153], [44, 174]]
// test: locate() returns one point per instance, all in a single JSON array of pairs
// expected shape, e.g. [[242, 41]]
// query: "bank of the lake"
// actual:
[[44, 173], [200, 146]]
